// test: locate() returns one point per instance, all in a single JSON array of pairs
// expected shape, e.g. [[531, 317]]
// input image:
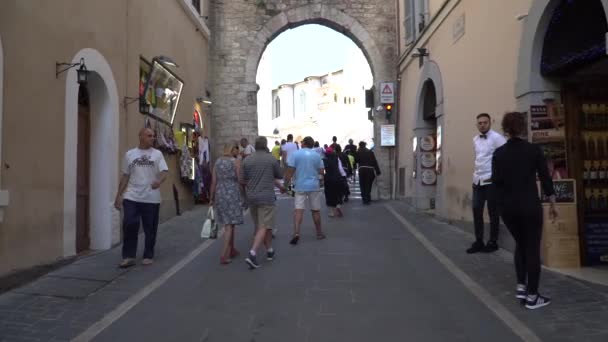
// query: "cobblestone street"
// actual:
[[373, 276]]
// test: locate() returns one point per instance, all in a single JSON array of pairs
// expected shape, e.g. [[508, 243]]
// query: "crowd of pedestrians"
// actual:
[[245, 176]]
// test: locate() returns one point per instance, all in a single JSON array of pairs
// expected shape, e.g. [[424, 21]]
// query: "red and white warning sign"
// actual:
[[387, 92]]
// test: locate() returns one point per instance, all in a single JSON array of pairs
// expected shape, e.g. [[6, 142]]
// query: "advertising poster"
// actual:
[[596, 233], [387, 135], [555, 153], [547, 123]]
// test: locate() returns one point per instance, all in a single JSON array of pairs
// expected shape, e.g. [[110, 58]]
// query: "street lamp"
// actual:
[[82, 72]]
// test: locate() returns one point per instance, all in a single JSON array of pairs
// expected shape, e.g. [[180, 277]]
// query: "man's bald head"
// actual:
[[146, 138]]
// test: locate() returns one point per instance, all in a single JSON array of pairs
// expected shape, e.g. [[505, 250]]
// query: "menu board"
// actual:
[[565, 191]]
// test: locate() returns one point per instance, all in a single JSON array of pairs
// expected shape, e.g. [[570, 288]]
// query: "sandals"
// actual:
[[296, 238], [234, 253]]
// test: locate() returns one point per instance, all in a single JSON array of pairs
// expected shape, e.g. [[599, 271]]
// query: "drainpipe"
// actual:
[[395, 170], [4, 198]]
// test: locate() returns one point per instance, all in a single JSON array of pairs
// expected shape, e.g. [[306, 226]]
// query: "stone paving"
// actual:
[[579, 310], [370, 278], [63, 303]]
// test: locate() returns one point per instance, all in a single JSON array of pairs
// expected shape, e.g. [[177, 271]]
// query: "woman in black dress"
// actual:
[[515, 167]]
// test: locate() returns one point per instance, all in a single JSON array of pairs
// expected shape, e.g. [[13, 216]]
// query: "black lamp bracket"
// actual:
[[60, 68], [422, 52]]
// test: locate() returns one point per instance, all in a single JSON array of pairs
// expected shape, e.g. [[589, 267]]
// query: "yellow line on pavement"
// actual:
[[517, 326]]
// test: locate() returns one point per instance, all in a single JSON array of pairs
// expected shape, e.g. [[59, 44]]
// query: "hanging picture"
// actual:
[[162, 93], [145, 68]]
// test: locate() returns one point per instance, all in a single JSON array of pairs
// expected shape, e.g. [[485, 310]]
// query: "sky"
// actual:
[[308, 50]]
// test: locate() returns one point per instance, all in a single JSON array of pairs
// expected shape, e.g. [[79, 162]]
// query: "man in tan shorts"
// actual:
[[260, 173], [306, 166]]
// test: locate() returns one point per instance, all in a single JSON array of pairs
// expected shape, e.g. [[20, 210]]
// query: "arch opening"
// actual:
[[312, 86], [101, 138], [568, 44]]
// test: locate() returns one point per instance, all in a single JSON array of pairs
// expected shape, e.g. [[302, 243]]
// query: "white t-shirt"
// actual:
[[143, 168], [289, 148], [248, 150]]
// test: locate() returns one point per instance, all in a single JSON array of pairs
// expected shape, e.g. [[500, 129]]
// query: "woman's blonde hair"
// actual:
[[229, 146]]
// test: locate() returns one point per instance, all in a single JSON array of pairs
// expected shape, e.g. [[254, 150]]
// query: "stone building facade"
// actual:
[[243, 29]]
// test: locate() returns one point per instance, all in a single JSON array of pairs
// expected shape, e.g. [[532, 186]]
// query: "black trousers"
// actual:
[[366, 178], [481, 195], [526, 226], [333, 192], [133, 214]]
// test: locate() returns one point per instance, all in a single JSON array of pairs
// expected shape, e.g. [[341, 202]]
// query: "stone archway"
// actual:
[[243, 32], [103, 155], [531, 87]]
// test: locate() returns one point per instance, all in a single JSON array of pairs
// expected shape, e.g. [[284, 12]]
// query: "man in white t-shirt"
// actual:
[[248, 149], [143, 171], [287, 149]]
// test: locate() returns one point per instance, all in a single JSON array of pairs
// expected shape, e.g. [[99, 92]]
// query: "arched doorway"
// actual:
[[235, 65], [427, 183], [100, 176], [567, 101]]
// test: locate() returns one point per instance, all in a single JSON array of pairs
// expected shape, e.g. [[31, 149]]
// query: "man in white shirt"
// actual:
[[287, 149], [143, 171], [248, 149], [485, 143]]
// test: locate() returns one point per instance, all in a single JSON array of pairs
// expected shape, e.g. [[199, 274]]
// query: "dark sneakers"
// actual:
[[252, 262], [538, 301], [490, 247], [295, 239], [476, 247], [270, 255]]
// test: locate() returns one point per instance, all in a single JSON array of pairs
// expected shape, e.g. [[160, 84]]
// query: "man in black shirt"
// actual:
[[368, 170], [350, 148]]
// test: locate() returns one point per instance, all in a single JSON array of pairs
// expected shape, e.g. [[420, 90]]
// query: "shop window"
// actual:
[[430, 101]]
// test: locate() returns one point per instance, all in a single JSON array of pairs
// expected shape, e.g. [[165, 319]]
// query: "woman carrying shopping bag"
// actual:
[[226, 198]]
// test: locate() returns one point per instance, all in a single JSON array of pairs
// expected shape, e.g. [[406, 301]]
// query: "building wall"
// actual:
[[35, 35], [478, 72]]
